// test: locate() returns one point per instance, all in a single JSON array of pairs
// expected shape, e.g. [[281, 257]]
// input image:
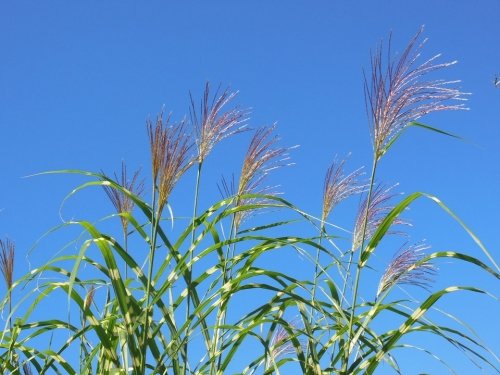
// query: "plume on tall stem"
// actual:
[[337, 187], [398, 92], [263, 155], [170, 145], [213, 121]]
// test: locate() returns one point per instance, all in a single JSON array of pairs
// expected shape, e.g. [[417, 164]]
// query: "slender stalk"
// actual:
[[316, 275], [221, 313], [348, 272], [89, 297], [124, 349], [10, 310], [82, 342], [195, 206], [125, 244], [316, 263], [347, 349], [232, 247], [154, 229], [193, 236]]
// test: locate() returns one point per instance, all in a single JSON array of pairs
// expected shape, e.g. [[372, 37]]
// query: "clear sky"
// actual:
[[79, 79]]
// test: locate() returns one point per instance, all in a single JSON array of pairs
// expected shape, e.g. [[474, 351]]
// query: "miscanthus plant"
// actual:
[[171, 295]]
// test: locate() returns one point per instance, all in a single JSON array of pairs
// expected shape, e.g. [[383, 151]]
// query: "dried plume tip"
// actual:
[[213, 122], [263, 156], [398, 93], [7, 249], [121, 201], [170, 146], [338, 186], [408, 267], [378, 208]]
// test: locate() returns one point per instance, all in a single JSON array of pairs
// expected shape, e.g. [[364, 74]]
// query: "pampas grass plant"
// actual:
[[165, 296]]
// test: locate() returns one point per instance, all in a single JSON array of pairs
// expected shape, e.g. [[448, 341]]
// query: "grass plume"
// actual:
[[214, 300], [338, 186], [407, 268], [7, 250], [7, 256], [263, 155], [122, 202], [371, 213], [398, 92], [170, 145], [281, 343], [212, 122]]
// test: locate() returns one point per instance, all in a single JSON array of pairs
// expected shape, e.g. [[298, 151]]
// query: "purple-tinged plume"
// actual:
[[398, 92]]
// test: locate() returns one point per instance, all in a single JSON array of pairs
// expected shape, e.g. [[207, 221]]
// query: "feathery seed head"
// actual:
[[169, 153], [338, 187], [378, 208], [122, 202], [263, 156], [281, 343], [397, 94], [7, 248], [157, 142], [407, 268], [213, 123]]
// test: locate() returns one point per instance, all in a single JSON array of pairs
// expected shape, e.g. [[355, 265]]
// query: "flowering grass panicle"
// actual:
[[378, 206], [214, 301], [122, 202], [408, 267], [170, 145], [396, 93], [7, 255], [338, 186], [212, 124], [263, 156], [7, 250], [281, 343]]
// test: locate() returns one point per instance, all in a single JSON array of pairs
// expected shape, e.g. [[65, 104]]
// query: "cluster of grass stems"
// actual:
[[165, 295]]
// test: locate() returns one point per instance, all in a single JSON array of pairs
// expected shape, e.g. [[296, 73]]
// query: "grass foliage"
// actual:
[[171, 296]]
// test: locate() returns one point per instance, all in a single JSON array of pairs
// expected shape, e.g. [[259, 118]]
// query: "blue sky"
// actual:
[[79, 80]]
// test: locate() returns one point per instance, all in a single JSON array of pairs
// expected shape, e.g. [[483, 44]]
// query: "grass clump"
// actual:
[[171, 296]]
